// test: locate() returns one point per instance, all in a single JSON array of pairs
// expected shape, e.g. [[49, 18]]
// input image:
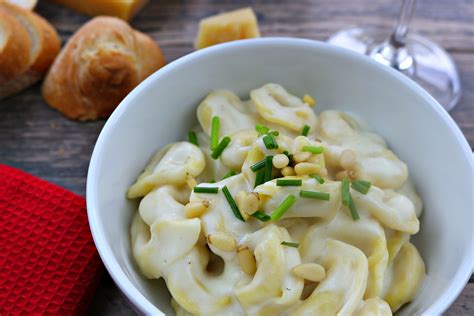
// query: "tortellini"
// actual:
[[374, 162], [170, 166], [239, 233]]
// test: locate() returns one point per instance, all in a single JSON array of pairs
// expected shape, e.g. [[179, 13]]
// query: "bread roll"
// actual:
[[15, 45], [101, 63], [43, 48]]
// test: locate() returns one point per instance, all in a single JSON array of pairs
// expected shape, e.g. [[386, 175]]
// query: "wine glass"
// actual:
[[414, 55]]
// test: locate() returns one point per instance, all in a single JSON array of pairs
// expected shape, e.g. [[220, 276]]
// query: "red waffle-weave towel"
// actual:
[[48, 261]]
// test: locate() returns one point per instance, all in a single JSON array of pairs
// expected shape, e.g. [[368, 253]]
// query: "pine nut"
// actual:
[[306, 168], [251, 203], [240, 203], [347, 159], [288, 171], [280, 161], [246, 260], [196, 209], [222, 241], [301, 156], [309, 271], [309, 100]]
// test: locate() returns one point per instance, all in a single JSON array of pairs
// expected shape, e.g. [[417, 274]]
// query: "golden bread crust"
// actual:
[[101, 63]]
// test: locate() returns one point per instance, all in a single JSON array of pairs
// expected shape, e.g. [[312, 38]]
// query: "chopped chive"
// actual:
[[212, 181], [270, 142], [192, 137], [259, 177], [232, 204], [353, 209], [229, 174], [289, 182], [268, 169], [261, 216], [261, 129], [315, 195], [215, 132], [314, 149], [318, 178], [365, 183], [283, 207], [305, 130], [346, 195], [361, 186], [257, 166], [290, 156], [220, 148], [274, 133], [290, 244], [212, 190], [272, 136]]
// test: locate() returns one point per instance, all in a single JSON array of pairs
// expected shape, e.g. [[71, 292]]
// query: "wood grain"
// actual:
[[41, 141]]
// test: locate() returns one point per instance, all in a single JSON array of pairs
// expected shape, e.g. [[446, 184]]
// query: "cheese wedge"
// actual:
[[226, 27], [124, 9]]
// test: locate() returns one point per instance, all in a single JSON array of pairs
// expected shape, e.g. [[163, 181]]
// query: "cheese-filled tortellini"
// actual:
[[271, 209], [171, 166], [371, 159], [276, 105]]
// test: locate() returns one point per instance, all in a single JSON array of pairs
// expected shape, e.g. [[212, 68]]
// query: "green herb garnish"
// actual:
[[317, 177], [211, 190], [289, 182], [232, 204], [268, 169], [290, 156], [259, 177], [215, 132], [220, 148], [261, 129], [290, 244], [305, 130], [261, 216], [353, 209], [192, 137], [270, 142], [314, 149], [283, 207], [361, 186], [315, 195], [257, 166], [346, 195]]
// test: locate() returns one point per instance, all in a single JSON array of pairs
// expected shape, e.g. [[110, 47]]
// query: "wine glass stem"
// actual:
[[397, 38]]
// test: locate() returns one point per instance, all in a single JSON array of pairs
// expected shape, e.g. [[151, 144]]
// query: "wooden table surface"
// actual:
[[41, 141]]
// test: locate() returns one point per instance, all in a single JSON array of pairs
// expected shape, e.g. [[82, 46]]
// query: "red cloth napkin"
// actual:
[[48, 261]]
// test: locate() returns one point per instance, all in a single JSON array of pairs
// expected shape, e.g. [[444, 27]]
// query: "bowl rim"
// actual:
[[137, 299]]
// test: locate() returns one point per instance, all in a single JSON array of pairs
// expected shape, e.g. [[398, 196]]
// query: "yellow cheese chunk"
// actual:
[[124, 9], [227, 27]]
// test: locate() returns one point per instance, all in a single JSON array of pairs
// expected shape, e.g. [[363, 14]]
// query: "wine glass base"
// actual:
[[431, 66]]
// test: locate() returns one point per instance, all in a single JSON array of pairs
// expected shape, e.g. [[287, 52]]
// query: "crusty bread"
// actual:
[[43, 48], [25, 4], [15, 45], [102, 62]]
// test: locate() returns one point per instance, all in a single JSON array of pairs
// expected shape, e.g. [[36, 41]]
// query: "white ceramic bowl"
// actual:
[[162, 108]]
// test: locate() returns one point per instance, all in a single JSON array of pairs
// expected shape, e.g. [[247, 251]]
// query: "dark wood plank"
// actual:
[[41, 141], [464, 305]]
